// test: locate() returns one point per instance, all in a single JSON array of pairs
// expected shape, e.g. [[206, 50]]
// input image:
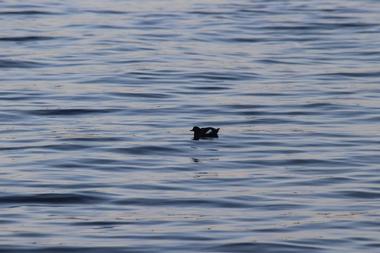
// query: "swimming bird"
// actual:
[[207, 132]]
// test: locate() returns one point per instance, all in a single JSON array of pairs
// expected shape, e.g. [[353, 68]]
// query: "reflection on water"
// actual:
[[97, 100]]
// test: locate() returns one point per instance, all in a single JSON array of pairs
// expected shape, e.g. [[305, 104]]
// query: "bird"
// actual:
[[206, 132]]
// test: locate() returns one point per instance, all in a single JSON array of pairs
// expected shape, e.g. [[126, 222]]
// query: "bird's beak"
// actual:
[[192, 130]]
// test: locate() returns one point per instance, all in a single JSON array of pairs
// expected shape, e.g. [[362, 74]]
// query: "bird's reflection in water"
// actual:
[[196, 160]]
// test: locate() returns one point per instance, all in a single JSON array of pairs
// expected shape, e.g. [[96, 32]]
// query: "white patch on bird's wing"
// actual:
[[208, 131]]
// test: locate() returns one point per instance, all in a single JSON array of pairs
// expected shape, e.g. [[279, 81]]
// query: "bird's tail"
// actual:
[[217, 130]]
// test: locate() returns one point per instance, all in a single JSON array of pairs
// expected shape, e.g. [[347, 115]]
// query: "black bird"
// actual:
[[207, 132]]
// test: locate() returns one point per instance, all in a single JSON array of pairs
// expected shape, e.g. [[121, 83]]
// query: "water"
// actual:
[[97, 99]]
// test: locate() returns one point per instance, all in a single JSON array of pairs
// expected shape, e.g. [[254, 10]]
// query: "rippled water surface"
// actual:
[[97, 99]]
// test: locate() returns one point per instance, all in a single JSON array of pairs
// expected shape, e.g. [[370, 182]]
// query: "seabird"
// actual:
[[206, 132]]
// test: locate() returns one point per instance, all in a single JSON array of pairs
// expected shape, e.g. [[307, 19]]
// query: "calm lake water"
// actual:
[[97, 99]]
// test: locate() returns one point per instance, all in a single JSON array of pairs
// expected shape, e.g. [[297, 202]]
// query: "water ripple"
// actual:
[[50, 198], [20, 64], [29, 12], [69, 112], [27, 38]]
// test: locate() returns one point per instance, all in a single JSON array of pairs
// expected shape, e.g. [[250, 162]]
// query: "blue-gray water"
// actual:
[[97, 99]]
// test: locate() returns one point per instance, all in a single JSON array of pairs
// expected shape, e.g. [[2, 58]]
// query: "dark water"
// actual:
[[97, 99]]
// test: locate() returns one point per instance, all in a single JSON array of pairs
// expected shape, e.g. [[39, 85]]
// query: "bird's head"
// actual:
[[195, 129]]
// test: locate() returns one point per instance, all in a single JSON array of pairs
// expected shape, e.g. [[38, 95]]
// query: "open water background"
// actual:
[[97, 99]]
